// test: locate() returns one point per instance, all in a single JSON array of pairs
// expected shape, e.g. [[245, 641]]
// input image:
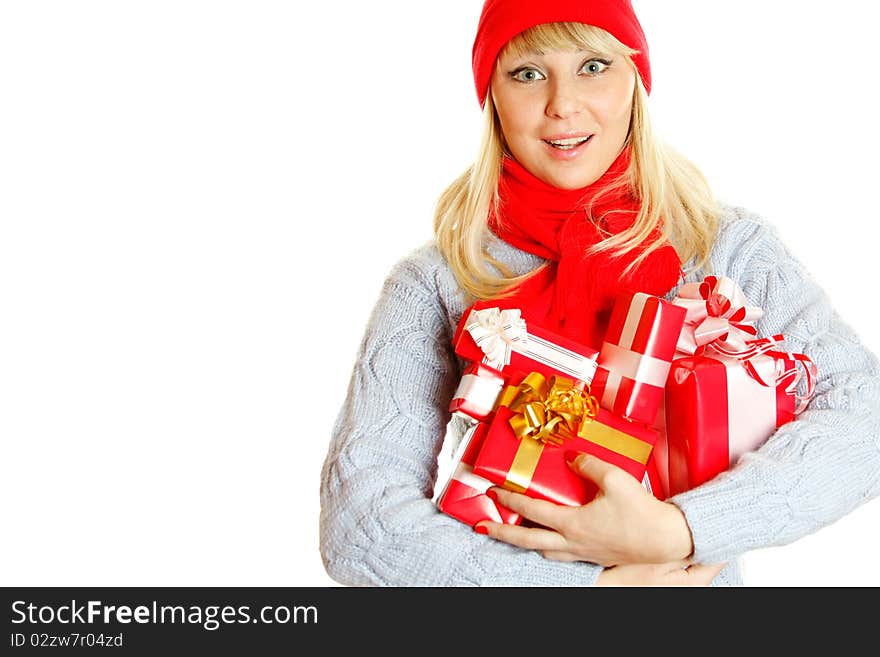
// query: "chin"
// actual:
[[572, 180]]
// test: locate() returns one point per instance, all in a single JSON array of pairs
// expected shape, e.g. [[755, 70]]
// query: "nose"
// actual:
[[565, 98]]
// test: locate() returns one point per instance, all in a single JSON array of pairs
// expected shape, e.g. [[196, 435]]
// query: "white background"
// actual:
[[200, 200]]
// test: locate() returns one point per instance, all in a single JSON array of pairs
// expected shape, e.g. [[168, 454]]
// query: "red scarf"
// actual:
[[574, 294]]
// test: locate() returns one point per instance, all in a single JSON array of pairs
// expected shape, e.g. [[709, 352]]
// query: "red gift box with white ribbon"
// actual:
[[728, 391], [501, 340], [464, 494], [477, 392], [634, 362]]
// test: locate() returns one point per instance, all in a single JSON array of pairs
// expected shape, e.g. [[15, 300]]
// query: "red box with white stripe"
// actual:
[[634, 362]]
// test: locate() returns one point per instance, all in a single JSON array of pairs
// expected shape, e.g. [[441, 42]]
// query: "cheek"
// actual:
[[517, 128], [516, 111], [616, 104], [513, 118]]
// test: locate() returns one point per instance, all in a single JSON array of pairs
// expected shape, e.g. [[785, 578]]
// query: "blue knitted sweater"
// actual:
[[379, 525]]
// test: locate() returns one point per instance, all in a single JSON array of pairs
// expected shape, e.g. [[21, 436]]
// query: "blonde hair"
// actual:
[[672, 190]]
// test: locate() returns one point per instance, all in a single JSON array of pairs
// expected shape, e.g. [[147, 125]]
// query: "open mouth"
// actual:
[[567, 144]]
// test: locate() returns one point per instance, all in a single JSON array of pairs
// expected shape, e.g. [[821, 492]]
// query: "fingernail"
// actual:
[[571, 455], [481, 529], [492, 495]]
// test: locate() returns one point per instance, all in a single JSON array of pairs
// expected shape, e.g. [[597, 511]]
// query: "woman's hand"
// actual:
[[623, 524], [679, 573]]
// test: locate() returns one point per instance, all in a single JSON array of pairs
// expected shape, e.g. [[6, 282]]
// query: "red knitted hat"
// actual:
[[502, 20]]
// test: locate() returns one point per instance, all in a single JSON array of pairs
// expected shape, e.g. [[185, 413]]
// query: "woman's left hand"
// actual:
[[623, 524]]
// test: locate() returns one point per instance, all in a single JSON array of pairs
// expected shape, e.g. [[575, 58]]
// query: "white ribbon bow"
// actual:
[[495, 331]]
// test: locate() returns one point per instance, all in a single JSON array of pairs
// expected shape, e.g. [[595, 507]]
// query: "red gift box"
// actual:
[[464, 494], [657, 473], [501, 340], [477, 392], [635, 358], [538, 468], [727, 392], [653, 479], [720, 407]]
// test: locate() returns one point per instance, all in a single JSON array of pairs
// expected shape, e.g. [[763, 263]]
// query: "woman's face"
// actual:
[[565, 115]]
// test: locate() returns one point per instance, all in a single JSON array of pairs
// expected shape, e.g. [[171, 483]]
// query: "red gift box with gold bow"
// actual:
[[537, 421], [728, 391]]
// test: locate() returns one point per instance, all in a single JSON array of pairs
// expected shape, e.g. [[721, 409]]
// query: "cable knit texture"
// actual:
[[379, 525]]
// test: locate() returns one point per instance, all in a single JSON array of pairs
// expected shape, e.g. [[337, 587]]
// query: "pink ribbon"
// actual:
[[717, 315], [792, 375], [719, 318]]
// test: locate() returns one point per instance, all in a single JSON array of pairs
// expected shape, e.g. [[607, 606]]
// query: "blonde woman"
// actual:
[[571, 201]]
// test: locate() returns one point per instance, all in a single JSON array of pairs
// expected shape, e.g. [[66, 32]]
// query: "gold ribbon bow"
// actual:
[[548, 410], [544, 412]]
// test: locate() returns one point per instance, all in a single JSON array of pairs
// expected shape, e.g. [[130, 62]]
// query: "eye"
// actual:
[[596, 66], [527, 75]]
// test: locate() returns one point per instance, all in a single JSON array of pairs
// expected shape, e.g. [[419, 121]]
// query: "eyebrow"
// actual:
[[536, 53]]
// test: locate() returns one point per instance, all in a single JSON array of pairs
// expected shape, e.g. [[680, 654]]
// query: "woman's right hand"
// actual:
[[676, 573]]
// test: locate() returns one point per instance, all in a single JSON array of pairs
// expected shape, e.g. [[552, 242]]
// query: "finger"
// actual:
[[699, 574], [593, 468], [559, 555], [543, 512], [681, 564], [531, 538]]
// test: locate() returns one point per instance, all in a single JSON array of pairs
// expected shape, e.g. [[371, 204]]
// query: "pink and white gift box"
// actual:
[[717, 410], [727, 391], [636, 355]]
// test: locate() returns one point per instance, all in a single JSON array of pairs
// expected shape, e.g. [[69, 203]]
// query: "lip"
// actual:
[[572, 153], [567, 135]]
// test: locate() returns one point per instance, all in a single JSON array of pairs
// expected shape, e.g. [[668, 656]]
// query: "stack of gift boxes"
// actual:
[[677, 393]]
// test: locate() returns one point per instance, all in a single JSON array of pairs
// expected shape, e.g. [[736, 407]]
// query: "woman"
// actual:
[[571, 201]]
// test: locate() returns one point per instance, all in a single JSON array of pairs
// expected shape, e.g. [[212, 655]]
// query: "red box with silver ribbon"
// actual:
[[464, 494], [728, 391], [502, 343], [635, 358]]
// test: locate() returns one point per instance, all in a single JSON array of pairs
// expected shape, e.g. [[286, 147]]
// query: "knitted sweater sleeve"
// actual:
[[825, 463], [378, 524]]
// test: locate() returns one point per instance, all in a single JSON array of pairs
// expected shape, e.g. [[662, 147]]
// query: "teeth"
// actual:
[[568, 142]]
